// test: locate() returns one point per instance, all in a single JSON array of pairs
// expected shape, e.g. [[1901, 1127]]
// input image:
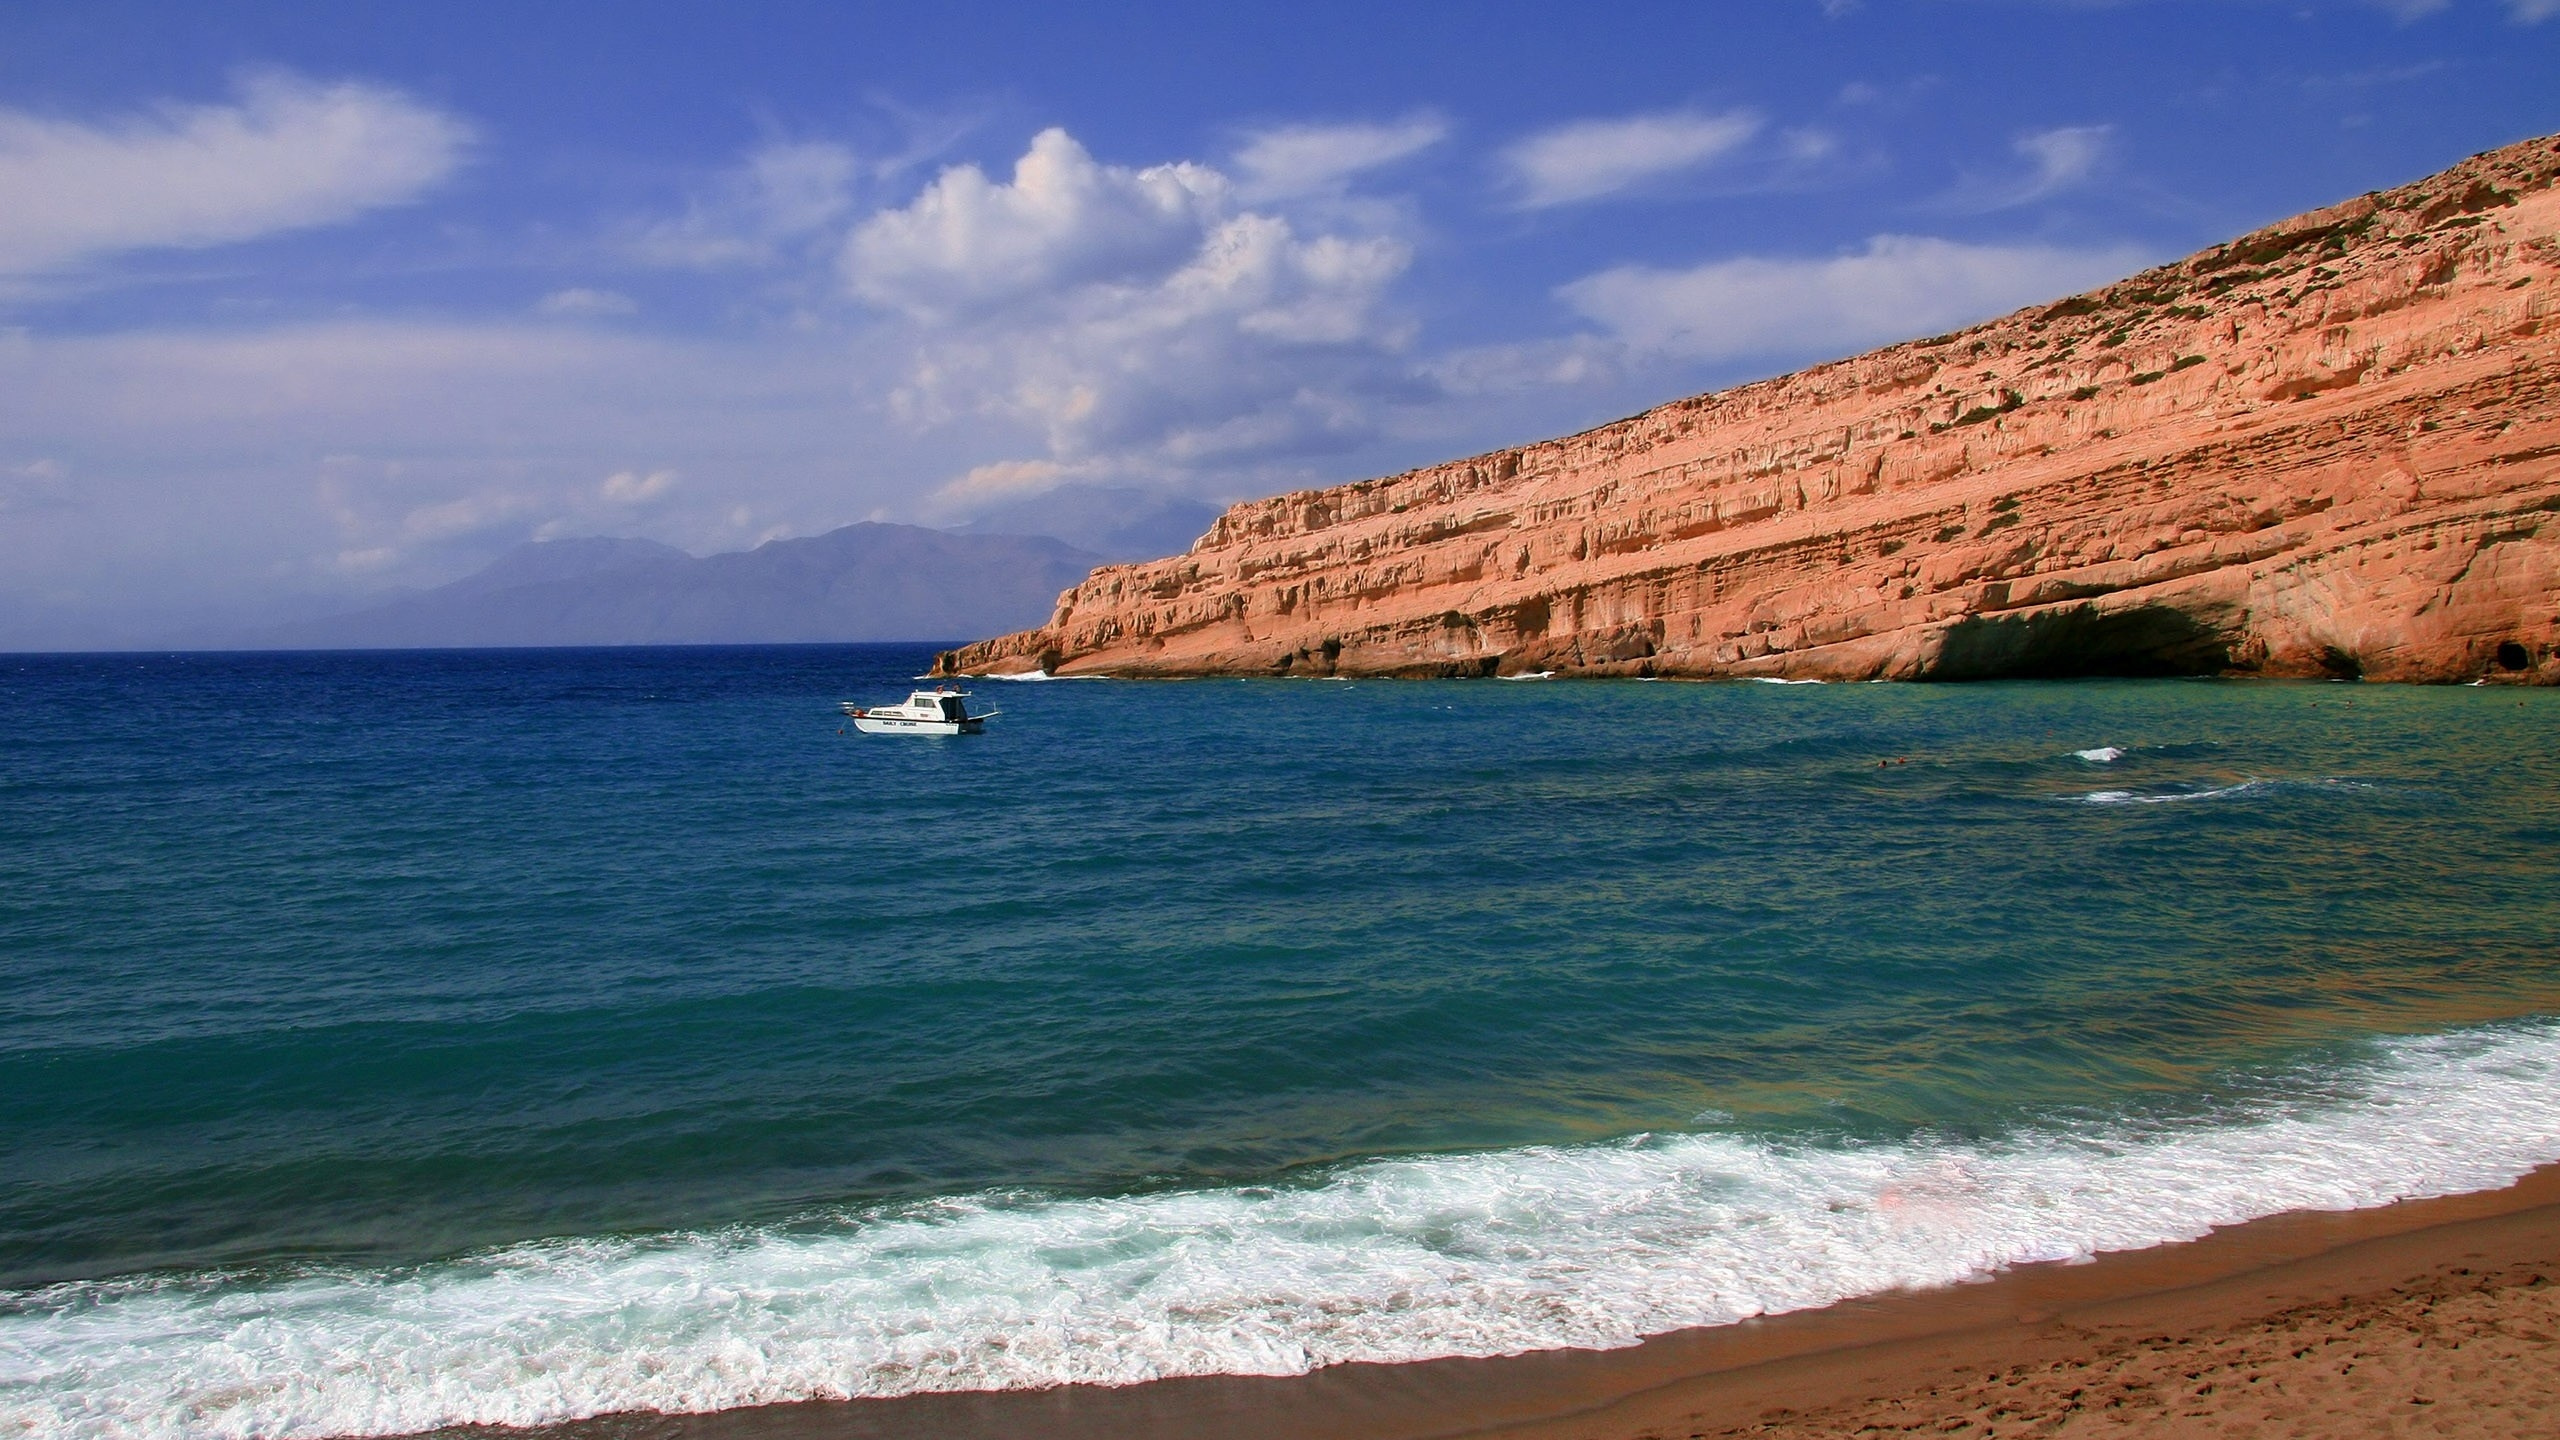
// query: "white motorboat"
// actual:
[[926, 712]]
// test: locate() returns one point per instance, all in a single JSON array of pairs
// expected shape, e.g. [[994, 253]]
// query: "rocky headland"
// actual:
[[2327, 448]]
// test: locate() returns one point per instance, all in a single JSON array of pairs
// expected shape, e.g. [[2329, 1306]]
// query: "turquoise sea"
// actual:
[[389, 1041]]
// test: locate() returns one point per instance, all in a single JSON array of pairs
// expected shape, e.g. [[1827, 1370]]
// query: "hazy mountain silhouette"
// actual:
[[862, 582], [544, 561]]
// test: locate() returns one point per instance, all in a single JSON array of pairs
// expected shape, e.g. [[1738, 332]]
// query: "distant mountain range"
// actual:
[[862, 582]]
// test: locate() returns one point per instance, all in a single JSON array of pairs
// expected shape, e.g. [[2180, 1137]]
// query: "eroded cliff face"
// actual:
[[2331, 447]]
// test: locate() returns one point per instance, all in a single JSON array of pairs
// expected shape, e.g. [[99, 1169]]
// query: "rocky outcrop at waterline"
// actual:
[[2331, 447]]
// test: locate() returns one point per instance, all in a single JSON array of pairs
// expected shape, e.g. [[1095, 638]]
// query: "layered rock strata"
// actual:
[[2331, 447]]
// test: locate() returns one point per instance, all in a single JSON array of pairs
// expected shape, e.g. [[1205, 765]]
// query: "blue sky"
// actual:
[[302, 303]]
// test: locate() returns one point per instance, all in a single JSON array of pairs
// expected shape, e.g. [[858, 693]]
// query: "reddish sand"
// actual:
[[2452, 1329], [2436, 1317], [2465, 1350]]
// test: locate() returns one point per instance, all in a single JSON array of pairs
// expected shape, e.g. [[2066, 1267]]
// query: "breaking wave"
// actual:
[[2171, 797], [2211, 792], [1396, 1259]]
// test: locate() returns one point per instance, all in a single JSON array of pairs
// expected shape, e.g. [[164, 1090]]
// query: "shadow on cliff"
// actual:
[[2081, 643]]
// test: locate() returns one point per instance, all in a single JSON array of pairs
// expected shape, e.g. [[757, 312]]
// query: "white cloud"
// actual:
[[1152, 328], [1899, 286], [1002, 480], [630, 487], [580, 303], [1299, 160], [2063, 157], [2533, 12], [2056, 160], [288, 154], [784, 193], [1259, 341], [1589, 159], [1063, 220]]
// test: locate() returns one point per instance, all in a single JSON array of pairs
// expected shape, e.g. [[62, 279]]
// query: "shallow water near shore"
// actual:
[[401, 1040]]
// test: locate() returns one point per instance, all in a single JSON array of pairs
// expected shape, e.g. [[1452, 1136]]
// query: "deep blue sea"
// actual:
[[395, 1040]]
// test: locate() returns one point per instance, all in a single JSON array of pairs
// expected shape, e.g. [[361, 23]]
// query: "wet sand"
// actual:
[[2433, 1317]]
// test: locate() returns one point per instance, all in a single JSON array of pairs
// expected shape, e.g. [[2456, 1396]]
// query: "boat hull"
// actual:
[[880, 725]]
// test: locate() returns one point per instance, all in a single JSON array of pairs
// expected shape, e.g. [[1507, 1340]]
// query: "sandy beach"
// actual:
[[2463, 1350], [2450, 1328], [2432, 1317]]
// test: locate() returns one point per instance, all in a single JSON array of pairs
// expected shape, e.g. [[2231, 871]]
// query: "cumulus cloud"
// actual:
[[1151, 326], [785, 193], [1063, 220], [1260, 341], [2533, 12], [288, 153], [1897, 287], [1297, 160], [1591, 159], [580, 303]]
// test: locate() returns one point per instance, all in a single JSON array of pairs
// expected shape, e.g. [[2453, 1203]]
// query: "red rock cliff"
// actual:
[[2331, 447]]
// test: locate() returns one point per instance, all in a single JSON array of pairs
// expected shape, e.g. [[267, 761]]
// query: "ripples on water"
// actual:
[[322, 971]]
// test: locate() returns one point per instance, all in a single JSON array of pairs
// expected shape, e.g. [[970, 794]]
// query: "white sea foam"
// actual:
[[1529, 675], [1782, 680], [2100, 755], [2171, 797], [1481, 1254], [2214, 792], [1038, 675]]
